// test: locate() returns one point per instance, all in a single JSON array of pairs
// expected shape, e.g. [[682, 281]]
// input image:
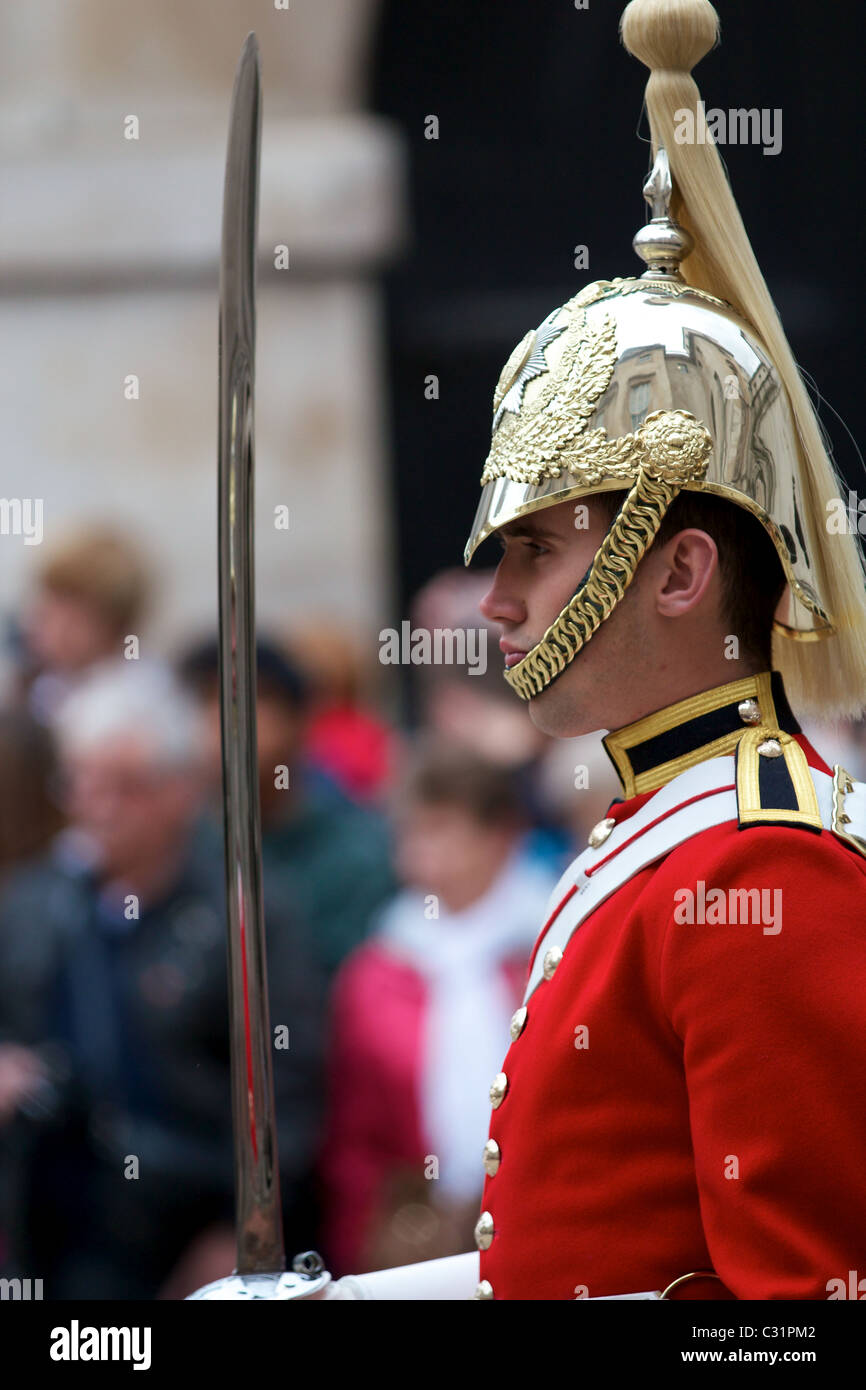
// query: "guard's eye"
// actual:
[[524, 541]]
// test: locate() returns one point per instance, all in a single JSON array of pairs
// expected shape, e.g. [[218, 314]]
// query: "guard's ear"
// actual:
[[685, 571]]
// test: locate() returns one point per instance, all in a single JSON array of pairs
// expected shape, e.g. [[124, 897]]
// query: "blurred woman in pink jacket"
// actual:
[[421, 1014]]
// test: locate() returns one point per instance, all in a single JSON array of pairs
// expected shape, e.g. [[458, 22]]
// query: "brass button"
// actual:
[[498, 1087], [492, 1157], [518, 1022], [770, 748], [484, 1231], [749, 711], [551, 961], [599, 833], [484, 1289]]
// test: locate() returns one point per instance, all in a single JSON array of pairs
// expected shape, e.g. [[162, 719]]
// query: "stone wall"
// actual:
[[108, 268]]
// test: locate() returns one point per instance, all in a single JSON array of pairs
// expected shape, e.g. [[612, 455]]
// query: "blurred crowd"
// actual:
[[406, 872]]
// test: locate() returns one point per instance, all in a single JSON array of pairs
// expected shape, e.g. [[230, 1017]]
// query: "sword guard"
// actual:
[[307, 1279]]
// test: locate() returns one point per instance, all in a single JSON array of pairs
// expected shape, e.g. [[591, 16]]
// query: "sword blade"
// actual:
[[257, 1191]]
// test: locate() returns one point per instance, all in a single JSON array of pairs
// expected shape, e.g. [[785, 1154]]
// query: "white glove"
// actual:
[[455, 1278]]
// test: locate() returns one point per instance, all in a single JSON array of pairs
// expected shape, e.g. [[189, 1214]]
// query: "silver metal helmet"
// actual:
[[648, 386]]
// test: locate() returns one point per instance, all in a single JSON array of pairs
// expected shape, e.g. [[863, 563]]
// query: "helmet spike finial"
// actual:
[[662, 243]]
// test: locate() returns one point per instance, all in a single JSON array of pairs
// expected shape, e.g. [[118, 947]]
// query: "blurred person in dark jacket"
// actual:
[[129, 1132], [30, 817], [324, 857], [30, 811]]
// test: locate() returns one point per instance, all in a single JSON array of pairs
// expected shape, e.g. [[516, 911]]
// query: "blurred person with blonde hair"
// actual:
[[90, 592]]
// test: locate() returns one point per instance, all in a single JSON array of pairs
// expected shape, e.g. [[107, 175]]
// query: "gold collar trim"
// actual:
[[653, 750]]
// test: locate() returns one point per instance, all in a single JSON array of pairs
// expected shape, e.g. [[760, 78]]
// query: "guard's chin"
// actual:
[[559, 711], [552, 713]]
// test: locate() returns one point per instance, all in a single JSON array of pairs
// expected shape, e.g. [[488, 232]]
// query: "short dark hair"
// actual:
[[750, 570], [442, 773], [277, 674]]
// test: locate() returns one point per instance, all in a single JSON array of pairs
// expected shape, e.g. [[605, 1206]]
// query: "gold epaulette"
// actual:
[[774, 782], [849, 816]]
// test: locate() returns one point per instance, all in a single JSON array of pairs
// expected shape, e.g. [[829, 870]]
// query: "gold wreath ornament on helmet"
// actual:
[[652, 385]]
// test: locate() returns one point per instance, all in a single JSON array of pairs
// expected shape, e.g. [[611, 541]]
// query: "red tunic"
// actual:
[[716, 1119]]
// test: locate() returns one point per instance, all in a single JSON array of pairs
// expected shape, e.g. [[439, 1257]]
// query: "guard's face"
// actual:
[[544, 557]]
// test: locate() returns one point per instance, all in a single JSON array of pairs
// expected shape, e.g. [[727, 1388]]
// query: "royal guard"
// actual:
[[679, 1113]]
